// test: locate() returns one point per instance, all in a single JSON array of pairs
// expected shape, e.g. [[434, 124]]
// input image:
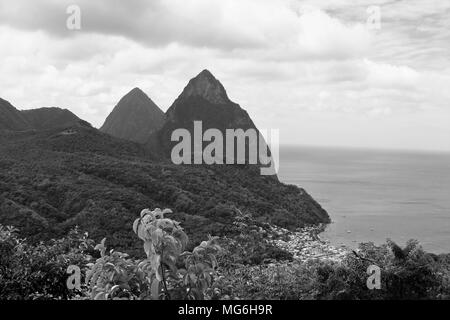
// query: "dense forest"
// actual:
[[51, 182]]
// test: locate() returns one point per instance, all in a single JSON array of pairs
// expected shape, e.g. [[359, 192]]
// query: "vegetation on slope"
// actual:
[[51, 181], [212, 270]]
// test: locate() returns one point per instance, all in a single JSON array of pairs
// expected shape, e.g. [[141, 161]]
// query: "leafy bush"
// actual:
[[274, 281], [168, 272], [39, 271], [408, 273]]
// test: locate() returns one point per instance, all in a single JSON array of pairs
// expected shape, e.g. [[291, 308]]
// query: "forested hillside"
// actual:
[[52, 180]]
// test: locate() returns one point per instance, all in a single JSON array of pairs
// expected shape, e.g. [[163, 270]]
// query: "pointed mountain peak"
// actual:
[[134, 118], [136, 94], [206, 74], [136, 91], [205, 85]]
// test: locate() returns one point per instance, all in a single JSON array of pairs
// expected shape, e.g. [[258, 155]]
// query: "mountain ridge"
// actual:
[[47, 118], [11, 118], [52, 180], [50, 118]]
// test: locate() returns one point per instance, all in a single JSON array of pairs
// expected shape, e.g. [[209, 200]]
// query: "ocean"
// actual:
[[373, 195]]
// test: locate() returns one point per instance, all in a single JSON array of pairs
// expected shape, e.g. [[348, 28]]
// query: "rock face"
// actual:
[[205, 85], [12, 119], [134, 118], [50, 118], [203, 99]]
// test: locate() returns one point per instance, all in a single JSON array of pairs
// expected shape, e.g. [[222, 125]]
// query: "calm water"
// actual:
[[375, 195]]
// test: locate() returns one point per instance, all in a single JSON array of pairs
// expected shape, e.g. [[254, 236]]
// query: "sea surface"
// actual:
[[373, 195]]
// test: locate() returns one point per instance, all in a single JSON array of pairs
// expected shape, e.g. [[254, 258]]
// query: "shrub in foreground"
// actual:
[[168, 272], [39, 271]]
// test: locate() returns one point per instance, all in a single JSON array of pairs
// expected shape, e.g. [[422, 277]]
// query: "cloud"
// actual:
[[285, 61], [225, 25], [391, 76], [154, 23], [321, 35]]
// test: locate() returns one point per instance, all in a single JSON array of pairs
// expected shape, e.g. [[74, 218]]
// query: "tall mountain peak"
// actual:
[[203, 99], [137, 95], [205, 85], [134, 118]]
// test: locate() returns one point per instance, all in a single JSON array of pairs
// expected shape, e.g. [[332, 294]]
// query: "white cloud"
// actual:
[[390, 76], [321, 35], [281, 60]]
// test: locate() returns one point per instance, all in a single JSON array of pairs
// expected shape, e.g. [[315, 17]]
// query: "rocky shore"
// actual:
[[306, 244]]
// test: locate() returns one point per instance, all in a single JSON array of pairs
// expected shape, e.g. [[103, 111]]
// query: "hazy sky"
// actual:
[[314, 69]]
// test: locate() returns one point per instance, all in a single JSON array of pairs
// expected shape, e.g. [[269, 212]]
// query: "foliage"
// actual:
[[274, 281], [406, 273], [50, 182], [247, 244], [159, 275], [39, 271], [168, 271]]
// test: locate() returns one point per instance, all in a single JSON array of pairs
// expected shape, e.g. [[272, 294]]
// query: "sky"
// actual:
[[364, 73]]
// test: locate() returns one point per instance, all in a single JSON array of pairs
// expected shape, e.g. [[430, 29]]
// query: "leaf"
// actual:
[[114, 289], [156, 236], [158, 274], [135, 225], [158, 214], [155, 289], [182, 271], [147, 247], [100, 296], [193, 277], [144, 212], [164, 223], [101, 247]]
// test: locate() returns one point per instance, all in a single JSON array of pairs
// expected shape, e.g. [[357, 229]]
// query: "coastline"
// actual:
[[305, 244]]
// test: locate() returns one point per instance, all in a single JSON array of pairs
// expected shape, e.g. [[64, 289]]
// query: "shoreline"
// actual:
[[305, 244]]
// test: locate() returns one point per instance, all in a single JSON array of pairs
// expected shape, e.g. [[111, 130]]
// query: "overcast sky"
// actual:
[[314, 69]]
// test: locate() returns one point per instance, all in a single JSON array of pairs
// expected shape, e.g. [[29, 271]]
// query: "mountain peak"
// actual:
[[136, 94], [207, 74], [134, 117], [136, 91], [205, 85]]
